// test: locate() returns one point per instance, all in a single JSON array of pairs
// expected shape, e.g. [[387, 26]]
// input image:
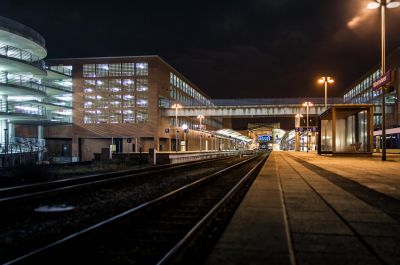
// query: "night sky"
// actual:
[[230, 49]]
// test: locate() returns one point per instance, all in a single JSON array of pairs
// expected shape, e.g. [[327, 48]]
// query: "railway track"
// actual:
[[16, 193], [170, 228]]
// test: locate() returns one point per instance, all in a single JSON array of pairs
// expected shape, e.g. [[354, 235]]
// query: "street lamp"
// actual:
[[325, 80], [383, 4], [200, 117], [184, 128], [176, 107], [307, 104]]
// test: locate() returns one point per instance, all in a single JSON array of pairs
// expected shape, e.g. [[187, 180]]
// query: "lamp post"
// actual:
[[307, 104], [200, 117], [383, 4], [184, 128], [176, 107], [325, 80]]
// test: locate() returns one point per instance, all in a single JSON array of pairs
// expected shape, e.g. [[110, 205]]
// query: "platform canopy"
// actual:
[[233, 134]]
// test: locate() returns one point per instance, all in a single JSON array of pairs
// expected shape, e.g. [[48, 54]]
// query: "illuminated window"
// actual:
[[129, 101], [141, 102], [102, 85], [142, 85], [114, 69], [129, 85], [89, 118], [89, 70], [128, 116], [128, 69], [101, 70], [88, 104], [116, 117], [115, 85], [142, 69], [141, 116]]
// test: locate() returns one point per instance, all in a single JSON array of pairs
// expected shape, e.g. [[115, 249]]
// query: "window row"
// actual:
[[116, 85], [183, 92], [116, 69], [365, 97], [362, 86], [115, 101], [117, 116]]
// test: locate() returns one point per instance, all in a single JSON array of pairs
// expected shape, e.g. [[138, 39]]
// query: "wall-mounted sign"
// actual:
[[264, 138], [383, 80]]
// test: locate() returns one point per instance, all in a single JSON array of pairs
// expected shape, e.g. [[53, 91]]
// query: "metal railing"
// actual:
[[22, 145], [57, 86], [33, 109], [58, 102], [21, 107], [20, 80], [19, 54], [57, 118], [60, 69]]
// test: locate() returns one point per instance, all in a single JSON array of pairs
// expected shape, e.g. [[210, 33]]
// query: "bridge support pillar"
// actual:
[[297, 144], [40, 137]]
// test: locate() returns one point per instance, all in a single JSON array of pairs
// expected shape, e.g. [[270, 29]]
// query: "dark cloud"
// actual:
[[229, 48]]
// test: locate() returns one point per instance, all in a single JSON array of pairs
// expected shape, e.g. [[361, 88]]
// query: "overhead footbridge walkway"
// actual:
[[262, 107]]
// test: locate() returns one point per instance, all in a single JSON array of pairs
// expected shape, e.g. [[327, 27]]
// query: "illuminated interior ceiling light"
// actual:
[[64, 97], [393, 4], [373, 5], [63, 112], [22, 98], [64, 83], [27, 108]]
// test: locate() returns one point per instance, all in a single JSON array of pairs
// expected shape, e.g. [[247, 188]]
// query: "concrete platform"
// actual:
[[310, 209]]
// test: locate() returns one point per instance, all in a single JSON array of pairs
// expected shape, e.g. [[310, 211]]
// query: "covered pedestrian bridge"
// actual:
[[244, 108]]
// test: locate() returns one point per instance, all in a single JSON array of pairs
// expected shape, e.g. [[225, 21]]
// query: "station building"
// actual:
[[69, 109], [35, 98], [118, 100], [361, 92]]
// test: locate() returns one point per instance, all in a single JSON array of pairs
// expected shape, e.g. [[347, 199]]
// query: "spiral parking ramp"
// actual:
[[32, 93]]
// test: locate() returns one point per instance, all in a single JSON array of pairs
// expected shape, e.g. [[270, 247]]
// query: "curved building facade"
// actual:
[[34, 96]]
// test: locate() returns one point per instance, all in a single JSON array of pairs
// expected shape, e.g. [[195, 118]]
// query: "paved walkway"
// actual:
[[308, 209]]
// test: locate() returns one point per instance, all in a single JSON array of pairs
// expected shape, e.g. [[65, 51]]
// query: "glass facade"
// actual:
[[182, 92], [362, 92], [115, 93], [185, 94]]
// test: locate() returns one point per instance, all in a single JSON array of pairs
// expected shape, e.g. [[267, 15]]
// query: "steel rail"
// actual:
[[186, 240], [93, 179], [125, 214]]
